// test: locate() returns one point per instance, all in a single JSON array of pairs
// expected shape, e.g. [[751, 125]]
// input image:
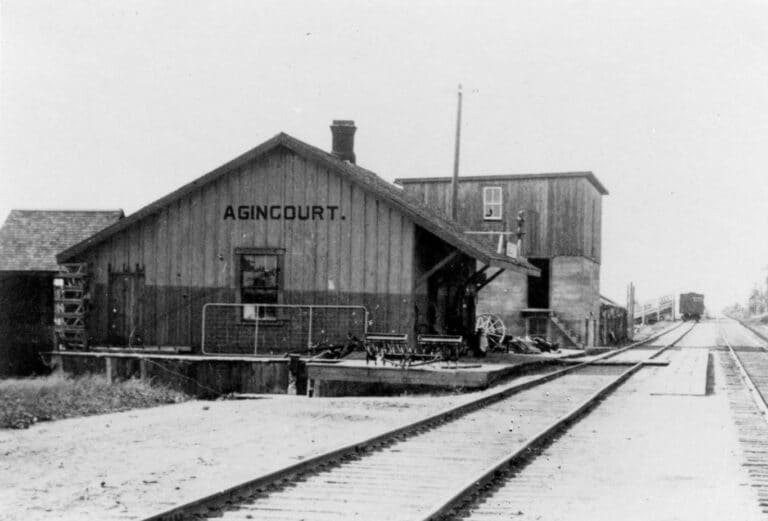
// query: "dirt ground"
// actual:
[[133, 464], [763, 328]]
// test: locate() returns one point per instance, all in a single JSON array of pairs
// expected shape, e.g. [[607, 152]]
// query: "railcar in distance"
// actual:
[[691, 306]]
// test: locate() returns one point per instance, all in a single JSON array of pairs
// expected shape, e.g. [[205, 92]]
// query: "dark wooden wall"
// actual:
[[186, 250], [563, 215], [26, 322]]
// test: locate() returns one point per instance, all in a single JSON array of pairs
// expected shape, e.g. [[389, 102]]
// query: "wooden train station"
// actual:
[[152, 272], [289, 249]]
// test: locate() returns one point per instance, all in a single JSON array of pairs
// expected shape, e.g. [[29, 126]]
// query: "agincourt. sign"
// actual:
[[288, 212]]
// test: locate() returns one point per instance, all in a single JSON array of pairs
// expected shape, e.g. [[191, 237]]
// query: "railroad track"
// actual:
[[746, 381], [754, 330], [752, 363], [427, 469]]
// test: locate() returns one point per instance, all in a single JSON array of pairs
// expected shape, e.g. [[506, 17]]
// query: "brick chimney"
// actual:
[[343, 131]]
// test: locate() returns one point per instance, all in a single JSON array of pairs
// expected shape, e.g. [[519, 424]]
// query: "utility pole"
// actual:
[[765, 294], [455, 179], [630, 311]]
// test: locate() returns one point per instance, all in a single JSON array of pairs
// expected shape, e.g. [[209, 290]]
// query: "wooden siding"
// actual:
[[186, 250], [563, 214]]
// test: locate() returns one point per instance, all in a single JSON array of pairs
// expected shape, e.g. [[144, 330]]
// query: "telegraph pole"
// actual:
[[455, 179], [630, 311]]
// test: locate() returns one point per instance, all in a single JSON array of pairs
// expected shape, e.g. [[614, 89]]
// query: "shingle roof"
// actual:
[[422, 215], [589, 176], [30, 239]]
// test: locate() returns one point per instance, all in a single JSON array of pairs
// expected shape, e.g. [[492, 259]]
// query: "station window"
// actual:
[[259, 283], [492, 203]]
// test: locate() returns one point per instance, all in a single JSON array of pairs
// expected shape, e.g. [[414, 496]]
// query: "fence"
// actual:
[[278, 328]]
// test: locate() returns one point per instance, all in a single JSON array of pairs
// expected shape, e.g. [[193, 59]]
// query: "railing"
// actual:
[[250, 329]]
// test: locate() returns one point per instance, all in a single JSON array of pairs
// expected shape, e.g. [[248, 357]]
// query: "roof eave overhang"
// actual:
[[496, 261], [512, 265]]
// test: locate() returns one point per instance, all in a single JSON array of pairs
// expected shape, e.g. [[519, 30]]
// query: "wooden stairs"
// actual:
[[571, 335]]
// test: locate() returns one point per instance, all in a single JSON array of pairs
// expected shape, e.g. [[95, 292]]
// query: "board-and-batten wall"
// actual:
[[563, 215], [186, 250]]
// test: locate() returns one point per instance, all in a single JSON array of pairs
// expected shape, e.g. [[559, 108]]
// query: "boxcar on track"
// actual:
[[691, 306]]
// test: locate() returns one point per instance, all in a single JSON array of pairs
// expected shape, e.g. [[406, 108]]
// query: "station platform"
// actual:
[[204, 376], [207, 376], [686, 374], [356, 378]]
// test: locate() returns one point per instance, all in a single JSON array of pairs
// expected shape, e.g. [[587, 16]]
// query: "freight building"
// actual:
[[562, 215]]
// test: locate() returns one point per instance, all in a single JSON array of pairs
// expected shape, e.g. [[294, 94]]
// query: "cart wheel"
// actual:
[[492, 327]]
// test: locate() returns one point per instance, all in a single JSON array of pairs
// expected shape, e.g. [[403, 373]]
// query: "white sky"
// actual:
[[115, 104]]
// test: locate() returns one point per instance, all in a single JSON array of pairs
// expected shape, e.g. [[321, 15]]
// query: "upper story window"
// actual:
[[492, 203]]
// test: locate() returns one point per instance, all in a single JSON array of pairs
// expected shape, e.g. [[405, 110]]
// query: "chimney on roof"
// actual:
[[343, 131]]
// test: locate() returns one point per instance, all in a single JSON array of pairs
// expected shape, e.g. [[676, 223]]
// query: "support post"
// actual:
[[309, 329], [448, 258], [476, 275], [256, 332], [489, 279]]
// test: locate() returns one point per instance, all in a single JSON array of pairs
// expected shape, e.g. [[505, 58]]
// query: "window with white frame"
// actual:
[[492, 203]]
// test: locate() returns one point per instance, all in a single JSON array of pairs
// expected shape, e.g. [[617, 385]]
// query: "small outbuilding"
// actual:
[[29, 242], [614, 322]]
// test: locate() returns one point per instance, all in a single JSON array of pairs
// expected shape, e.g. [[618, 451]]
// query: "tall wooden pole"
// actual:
[[630, 311], [455, 180]]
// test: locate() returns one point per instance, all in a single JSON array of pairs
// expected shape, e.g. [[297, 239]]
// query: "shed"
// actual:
[[29, 242], [613, 322]]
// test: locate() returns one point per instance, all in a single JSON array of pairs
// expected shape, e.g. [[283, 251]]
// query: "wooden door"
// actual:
[[126, 302]]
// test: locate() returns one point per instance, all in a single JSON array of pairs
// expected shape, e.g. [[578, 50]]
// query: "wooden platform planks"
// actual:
[[438, 375], [686, 374]]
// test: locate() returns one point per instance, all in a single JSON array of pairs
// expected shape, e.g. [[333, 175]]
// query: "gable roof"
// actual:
[[30, 239], [425, 217], [589, 176]]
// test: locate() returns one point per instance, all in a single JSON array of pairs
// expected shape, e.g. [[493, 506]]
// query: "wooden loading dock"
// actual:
[[284, 226]]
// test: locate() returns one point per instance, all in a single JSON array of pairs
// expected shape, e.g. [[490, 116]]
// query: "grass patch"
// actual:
[[30, 400]]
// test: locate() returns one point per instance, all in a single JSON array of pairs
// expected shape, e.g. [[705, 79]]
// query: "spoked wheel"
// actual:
[[493, 328]]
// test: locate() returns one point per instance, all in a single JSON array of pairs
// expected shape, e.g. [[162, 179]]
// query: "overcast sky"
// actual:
[[115, 104]]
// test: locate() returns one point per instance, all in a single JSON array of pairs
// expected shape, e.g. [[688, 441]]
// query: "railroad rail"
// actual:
[[423, 470], [754, 330], [746, 369], [752, 363]]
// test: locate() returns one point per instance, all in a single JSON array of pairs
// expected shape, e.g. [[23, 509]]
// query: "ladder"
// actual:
[[70, 307]]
